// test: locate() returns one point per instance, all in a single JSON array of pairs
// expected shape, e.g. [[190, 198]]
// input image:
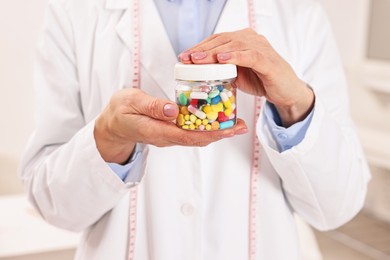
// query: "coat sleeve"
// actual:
[[325, 176], [65, 177]]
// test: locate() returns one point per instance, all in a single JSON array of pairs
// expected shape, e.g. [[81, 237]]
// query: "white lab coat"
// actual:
[[192, 202]]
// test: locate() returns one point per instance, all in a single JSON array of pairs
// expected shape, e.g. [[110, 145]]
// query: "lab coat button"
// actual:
[[282, 136], [187, 209]]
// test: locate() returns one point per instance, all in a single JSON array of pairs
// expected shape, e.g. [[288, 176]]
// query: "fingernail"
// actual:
[[198, 55], [185, 56], [241, 131], [224, 56], [170, 110]]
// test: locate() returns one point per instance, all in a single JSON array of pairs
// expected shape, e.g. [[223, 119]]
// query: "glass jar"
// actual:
[[206, 96]]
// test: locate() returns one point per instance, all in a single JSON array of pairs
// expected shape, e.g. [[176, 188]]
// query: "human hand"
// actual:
[[133, 117], [261, 71]]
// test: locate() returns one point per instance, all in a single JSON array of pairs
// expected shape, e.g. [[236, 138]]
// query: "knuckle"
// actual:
[[238, 45], [224, 38], [153, 108]]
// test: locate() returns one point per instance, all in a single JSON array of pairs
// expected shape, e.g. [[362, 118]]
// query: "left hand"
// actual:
[[261, 71]]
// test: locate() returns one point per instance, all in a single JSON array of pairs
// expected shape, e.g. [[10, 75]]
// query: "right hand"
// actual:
[[133, 117]]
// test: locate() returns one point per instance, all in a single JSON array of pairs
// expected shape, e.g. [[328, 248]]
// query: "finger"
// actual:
[[157, 108], [209, 52], [246, 58], [205, 52], [185, 57]]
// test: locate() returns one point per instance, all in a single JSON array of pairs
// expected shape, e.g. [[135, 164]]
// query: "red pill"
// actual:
[[222, 117]]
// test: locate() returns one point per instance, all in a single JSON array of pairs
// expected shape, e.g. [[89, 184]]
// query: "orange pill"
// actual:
[[215, 125]]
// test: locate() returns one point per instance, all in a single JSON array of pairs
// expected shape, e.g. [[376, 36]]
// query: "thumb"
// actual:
[[157, 108]]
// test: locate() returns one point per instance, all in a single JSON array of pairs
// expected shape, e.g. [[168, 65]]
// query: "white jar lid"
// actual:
[[200, 72]]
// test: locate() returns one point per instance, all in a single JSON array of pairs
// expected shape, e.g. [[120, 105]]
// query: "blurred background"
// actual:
[[362, 31]]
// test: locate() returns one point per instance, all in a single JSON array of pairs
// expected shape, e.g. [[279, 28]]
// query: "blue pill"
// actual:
[[226, 124], [220, 88], [216, 100]]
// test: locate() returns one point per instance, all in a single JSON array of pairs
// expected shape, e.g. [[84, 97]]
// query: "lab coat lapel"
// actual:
[[124, 29], [157, 60], [157, 55]]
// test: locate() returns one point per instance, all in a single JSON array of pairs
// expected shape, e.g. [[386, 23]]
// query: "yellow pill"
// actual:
[[184, 110], [212, 115], [207, 109], [228, 111], [187, 117], [217, 108], [208, 127], [185, 127], [205, 122], [227, 103], [192, 127], [198, 122], [233, 99], [187, 93], [215, 125], [193, 118], [180, 120]]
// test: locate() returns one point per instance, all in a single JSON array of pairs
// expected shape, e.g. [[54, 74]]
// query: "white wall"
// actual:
[[369, 83], [20, 23], [348, 18]]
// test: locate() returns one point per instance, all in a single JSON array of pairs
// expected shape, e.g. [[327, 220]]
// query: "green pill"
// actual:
[[183, 99]]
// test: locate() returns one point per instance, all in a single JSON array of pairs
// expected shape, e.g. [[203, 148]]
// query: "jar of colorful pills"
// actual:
[[206, 96]]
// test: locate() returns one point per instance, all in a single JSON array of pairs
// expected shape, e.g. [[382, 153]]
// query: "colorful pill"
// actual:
[[208, 127], [205, 122], [184, 110], [214, 93], [199, 95], [215, 100], [187, 117], [180, 120], [212, 116], [192, 127], [215, 125], [228, 92], [222, 117], [228, 111], [198, 122], [227, 103], [185, 127], [193, 118], [217, 108], [226, 124], [207, 109], [183, 99], [205, 89], [194, 102], [232, 99], [201, 127], [200, 114], [183, 88], [202, 102], [224, 96]]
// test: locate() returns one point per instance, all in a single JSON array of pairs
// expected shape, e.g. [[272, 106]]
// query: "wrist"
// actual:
[[111, 148], [298, 109]]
